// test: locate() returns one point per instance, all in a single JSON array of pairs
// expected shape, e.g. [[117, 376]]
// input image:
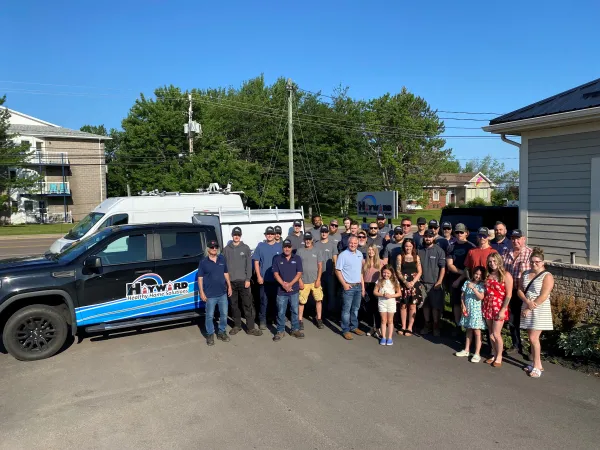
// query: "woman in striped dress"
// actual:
[[536, 314]]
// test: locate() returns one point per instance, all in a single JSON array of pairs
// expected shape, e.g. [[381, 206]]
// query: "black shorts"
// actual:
[[456, 293]]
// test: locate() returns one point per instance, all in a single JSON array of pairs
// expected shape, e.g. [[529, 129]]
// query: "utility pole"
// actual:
[[290, 89], [191, 127]]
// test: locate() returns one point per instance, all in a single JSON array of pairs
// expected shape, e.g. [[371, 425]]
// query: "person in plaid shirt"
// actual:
[[516, 261]]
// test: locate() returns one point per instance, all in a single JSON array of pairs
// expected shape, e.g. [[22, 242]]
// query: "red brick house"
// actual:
[[457, 188]]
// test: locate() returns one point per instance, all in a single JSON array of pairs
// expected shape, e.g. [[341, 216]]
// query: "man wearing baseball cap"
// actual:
[[439, 240], [214, 287], [278, 233], [297, 236], [478, 256], [263, 268], [394, 248], [383, 229], [329, 253], [421, 227], [310, 283], [239, 263], [287, 270], [433, 264], [516, 262], [447, 232], [455, 264]]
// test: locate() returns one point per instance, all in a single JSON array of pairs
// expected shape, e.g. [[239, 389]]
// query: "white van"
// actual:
[[147, 209]]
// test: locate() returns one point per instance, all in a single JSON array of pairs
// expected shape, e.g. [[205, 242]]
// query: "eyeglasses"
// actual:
[[405, 225], [533, 261], [287, 246], [373, 228]]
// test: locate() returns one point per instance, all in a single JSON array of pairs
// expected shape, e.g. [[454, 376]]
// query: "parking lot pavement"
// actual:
[[15, 246], [167, 389]]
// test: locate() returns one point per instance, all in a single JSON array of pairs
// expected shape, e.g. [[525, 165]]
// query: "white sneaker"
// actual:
[[475, 359], [462, 354]]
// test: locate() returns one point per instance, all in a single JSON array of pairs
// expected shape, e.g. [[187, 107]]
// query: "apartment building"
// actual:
[[72, 169]]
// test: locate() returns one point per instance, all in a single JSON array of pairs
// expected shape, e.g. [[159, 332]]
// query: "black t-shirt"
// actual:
[[458, 252]]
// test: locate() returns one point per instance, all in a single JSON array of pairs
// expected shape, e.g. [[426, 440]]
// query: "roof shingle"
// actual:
[[55, 132]]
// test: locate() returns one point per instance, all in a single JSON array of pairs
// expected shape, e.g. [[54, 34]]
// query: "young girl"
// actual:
[[498, 290], [472, 317], [387, 290], [408, 270], [371, 268]]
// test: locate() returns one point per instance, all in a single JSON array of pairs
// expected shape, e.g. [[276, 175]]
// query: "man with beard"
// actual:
[[433, 263], [375, 238], [501, 243], [329, 254], [394, 248], [316, 230]]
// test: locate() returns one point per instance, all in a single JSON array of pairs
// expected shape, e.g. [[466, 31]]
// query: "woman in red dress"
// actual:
[[498, 290]]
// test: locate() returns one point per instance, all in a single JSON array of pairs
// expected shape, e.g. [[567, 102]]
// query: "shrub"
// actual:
[[476, 202], [567, 312], [450, 206], [584, 342]]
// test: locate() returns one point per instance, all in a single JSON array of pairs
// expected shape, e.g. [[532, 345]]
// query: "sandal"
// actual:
[[408, 333], [529, 368], [496, 364], [400, 332], [490, 360], [535, 373]]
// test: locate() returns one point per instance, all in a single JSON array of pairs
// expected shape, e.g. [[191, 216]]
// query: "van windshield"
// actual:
[[73, 251], [86, 224]]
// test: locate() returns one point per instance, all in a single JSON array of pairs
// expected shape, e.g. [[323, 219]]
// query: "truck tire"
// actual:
[[35, 332]]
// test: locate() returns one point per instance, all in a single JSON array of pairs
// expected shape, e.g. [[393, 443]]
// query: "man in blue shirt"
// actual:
[[214, 287], [348, 269], [500, 243], [287, 270], [263, 263]]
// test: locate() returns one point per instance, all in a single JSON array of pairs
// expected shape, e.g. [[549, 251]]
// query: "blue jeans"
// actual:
[[282, 302], [350, 306], [211, 303]]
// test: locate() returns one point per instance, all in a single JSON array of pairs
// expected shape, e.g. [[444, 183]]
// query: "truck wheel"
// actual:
[[35, 332]]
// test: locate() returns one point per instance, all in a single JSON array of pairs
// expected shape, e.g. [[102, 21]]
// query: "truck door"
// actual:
[[121, 287], [178, 252]]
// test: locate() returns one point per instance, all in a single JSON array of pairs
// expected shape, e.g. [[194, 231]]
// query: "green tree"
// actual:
[[116, 179], [14, 176]]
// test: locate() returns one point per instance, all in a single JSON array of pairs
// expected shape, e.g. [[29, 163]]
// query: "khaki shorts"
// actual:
[[308, 288]]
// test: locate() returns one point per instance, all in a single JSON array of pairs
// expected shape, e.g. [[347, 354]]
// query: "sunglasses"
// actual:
[[297, 226], [536, 262], [212, 247], [333, 225], [362, 236], [446, 228], [459, 232], [398, 232], [406, 225], [483, 236], [287, 246], [373, 228]]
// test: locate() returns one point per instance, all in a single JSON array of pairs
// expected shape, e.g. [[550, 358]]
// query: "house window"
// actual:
[[12, 174], [483, 193], [28, 205], [436, 196]]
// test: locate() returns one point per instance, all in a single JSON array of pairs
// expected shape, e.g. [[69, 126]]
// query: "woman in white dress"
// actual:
[[536, 314]]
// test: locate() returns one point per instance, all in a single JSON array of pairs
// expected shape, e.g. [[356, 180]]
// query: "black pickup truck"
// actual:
[[119, 277]]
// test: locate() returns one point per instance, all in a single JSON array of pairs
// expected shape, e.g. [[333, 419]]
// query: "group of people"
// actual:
[[387, 274]]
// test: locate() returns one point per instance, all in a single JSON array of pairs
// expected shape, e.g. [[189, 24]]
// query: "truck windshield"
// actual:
[[79, 247], [80, 230]]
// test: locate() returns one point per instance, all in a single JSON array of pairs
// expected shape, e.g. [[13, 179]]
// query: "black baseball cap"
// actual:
[[380, 216], [434, 223], [324, 229], [278, 229], [213, 243], [308, 236], [270, 230], [446, 225], [516, 234], [484, 230], [398, 230], [421, 221], [237, 231], [287, 243], [297, 223], [429, 233]]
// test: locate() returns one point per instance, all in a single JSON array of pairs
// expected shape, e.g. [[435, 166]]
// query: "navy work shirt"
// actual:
[[287, 270], [501, 247], [213, 276]]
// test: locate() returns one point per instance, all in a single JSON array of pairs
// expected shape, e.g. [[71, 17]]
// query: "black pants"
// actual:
[[514, 322], [331, 304], [239, 292], [370, 308]]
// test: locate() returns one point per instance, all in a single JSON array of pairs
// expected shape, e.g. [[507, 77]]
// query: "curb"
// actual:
[[31, 236]]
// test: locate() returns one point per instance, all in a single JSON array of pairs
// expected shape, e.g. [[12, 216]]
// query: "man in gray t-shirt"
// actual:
[[433, 264], [310, 283], [329, 253], [394, 248]]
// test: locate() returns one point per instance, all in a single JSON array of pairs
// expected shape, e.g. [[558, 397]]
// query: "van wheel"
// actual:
[[35, 332]]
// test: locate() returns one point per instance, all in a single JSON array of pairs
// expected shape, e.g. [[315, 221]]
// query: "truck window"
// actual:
[[125, 250], [117, 219], [182, 244]]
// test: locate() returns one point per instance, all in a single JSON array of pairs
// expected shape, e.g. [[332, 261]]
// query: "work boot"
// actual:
[[278, 336], [301, 325], [235, 330], [263, 325], [426, 329], [223, 337], [210, 339], [348, 336], [358, 332], [298, 334], [320, 325], [254, 332]]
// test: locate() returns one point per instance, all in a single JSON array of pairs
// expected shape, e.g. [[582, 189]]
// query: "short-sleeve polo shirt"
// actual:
[[287, 270], [213, 276], [350, 264]]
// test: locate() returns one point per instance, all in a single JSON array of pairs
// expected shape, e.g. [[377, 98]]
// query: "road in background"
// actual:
[[167, 389], [15, 246]]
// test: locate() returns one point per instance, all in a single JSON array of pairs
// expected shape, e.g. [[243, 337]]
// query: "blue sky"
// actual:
[[460, 56]]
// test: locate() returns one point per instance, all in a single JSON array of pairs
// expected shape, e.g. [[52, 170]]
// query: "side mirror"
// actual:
[[93, 262]]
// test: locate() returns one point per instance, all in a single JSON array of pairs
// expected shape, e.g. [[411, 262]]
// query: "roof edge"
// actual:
[[551, 120], [12, 111]]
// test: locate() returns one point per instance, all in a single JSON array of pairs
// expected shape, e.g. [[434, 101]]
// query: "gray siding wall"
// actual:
[[559, 194]]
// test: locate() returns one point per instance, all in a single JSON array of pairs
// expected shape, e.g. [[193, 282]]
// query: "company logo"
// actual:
[[151, 285], [368, 206]]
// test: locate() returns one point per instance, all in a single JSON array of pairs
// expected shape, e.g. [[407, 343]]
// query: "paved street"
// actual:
[[15, 246], [167, 389]]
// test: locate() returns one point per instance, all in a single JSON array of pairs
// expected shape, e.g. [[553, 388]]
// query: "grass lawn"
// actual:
[[427, 213], [36, 228]]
